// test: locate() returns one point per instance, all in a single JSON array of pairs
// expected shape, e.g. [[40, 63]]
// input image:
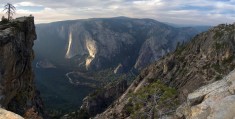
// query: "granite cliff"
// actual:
[[94, 44], [213, 101], [98, 51], [17, 89], [163, 86], [99, 100]]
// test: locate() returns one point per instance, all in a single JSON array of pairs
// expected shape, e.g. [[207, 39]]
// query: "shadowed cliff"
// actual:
[[17, 89]]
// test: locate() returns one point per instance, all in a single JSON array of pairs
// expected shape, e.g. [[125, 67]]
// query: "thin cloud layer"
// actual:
[[194, 12]]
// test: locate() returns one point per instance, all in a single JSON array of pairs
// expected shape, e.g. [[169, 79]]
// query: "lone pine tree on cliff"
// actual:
[[10, 10]]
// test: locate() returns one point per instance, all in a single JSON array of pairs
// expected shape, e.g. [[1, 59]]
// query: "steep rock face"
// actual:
[[99, 101], [213, 101], [16, 55], [161, 42], [101, 43], [207, 58]]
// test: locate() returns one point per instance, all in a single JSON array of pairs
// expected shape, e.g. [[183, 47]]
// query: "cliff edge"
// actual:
[[17, 89], [213, 101]]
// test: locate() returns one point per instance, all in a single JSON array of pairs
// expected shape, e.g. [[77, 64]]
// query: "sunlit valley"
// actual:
[[137, 59]]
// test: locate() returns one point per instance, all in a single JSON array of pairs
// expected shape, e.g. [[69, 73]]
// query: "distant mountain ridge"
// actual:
[[93, 44]]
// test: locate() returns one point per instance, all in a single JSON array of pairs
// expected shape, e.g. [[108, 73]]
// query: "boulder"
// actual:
[[4, 114], [213, 101]]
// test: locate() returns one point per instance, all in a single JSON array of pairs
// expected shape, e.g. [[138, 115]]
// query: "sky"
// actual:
[[192, 12]]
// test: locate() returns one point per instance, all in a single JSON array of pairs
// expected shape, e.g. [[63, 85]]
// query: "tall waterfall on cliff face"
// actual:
[[69, 51]]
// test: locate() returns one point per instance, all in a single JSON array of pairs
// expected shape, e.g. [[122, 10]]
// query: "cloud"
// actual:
[[198, 12], [26, 4]]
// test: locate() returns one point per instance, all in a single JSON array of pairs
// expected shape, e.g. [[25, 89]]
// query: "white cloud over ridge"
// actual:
[[26, 4], [198, 12]]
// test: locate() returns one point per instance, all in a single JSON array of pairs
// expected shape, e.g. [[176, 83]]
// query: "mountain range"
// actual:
[[94, 44], [79, 54], [193, 80]]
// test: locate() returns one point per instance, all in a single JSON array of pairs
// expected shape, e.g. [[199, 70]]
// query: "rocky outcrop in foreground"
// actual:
[[213, 101], [17, 89], [4, 114]]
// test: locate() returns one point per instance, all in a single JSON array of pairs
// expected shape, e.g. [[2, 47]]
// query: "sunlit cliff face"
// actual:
[[92, 50]]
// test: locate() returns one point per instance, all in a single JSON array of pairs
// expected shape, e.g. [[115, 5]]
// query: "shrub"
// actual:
[[4, 20]]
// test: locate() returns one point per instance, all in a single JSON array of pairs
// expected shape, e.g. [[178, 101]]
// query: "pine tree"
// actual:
[[10, 10]]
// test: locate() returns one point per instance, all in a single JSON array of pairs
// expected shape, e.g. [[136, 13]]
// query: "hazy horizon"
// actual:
[[198, 12]]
